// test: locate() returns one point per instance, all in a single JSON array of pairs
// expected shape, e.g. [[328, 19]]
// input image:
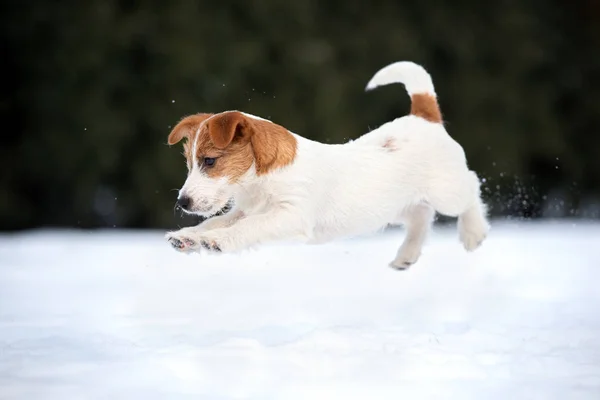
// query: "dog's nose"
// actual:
[[183, 202]]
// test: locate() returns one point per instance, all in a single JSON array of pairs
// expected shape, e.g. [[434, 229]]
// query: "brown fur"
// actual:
[[274, 146], [187, 129], [236, 141], [426, 107], [233, 157]]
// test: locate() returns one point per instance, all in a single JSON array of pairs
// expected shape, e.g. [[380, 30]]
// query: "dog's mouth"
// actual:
[[222, 211], [205, 211], [225, 209]]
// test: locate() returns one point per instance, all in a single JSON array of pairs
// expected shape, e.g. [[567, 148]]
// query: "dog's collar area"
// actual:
[[225, 208], [222, 211]]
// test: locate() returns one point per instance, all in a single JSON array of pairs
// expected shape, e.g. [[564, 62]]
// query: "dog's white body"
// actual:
[[400, 173]]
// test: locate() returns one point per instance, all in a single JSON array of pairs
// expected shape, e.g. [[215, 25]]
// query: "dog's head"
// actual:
[[225, 150]]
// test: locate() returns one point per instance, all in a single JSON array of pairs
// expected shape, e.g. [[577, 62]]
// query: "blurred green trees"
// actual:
[[92, 88]]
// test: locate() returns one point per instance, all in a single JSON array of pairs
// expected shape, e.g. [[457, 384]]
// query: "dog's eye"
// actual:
[[209, 161]]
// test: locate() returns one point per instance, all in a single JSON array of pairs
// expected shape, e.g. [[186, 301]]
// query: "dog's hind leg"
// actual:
[[417, 220], [473, 226], [462, 199]]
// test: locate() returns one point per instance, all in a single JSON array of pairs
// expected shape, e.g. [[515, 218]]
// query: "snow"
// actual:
[[120, 315]]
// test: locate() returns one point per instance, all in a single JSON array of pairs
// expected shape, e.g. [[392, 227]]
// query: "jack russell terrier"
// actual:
[[282, 186]]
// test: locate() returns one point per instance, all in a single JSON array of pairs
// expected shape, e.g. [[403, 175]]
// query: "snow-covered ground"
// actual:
[[120, 315]]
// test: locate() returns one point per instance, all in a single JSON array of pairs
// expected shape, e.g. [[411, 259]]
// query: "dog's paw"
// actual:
[[210, 245], [473, 229], [472, 240], [405, 258], [400, 264], [474, 237], [181, 242], [188, 240]]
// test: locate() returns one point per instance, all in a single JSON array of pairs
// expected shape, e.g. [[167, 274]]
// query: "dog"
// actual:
[[282, 186]]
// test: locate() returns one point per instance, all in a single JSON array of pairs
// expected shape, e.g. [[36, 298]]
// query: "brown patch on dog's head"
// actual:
[[187, 128], [237, 141], [426, 106], [220, 149], [224, 138]]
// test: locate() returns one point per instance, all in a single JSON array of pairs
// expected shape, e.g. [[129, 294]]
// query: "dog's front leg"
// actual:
[[184, 239], [252, 230]]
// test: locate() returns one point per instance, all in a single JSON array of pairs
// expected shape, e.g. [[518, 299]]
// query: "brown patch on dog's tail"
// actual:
[[418, 84], [426, 106]]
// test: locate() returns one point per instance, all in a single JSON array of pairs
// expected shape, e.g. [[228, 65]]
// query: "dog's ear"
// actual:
[[227, 127], [186, 127], [273, 145]]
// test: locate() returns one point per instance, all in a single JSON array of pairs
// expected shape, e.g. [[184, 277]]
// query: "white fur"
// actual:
[[401, 172], [415, 78]]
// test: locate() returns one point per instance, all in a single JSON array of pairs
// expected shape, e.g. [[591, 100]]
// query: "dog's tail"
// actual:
[[418, 85]]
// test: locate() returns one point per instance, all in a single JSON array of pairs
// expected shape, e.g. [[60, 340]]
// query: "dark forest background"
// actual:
[[91, 89]]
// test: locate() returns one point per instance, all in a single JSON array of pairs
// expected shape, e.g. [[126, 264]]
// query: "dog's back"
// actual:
[[402, 170]]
